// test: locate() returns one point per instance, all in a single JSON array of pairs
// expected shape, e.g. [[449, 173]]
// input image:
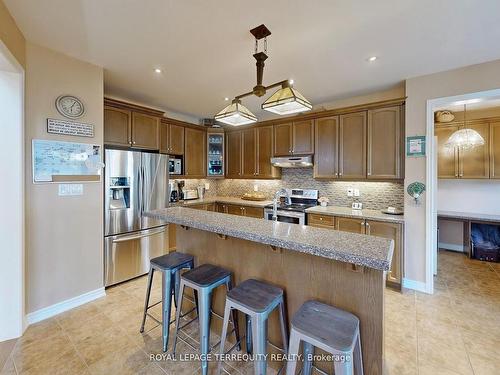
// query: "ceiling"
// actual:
[[205, 50], [471, 104]]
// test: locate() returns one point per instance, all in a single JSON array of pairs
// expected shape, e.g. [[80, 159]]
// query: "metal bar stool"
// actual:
[[257, 300], [170, 266], [330, 329], [203, 280]]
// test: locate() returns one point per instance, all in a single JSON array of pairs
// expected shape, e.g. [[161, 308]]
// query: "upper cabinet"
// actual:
[[249, 152], [195, 153], [295, 138], [495, 149], [472, 164], [130, 125], [171, 139], [327, 145], [352, 145], [145, 131], [384, 155], [117, 126]]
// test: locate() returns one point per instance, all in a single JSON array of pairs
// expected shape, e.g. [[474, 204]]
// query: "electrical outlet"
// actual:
[[356, 192], [207, 186], [256, 187], [350, 192], [357, 206]]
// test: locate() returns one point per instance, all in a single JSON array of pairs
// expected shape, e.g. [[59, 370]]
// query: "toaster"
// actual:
[[190, 194]]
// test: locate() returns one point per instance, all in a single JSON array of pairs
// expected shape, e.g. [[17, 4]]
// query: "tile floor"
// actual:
[[454, 331]]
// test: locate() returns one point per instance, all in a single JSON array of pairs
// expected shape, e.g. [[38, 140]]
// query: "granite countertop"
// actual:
[[228, 200], [348, 212], [468, 216], [372, 252]]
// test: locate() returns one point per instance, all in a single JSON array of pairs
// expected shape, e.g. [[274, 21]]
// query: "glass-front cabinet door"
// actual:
[[215, 151]]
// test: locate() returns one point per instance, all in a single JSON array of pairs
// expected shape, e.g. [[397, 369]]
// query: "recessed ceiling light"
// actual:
[[157, 70], [372, 59], [226, 99]]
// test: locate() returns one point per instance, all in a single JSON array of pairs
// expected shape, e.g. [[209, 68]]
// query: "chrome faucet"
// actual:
[[277, 196]]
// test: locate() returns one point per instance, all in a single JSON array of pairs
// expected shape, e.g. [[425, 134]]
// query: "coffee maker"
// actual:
[[173, 188]]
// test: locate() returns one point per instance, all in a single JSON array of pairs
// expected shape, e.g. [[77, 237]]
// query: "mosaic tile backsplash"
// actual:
[[373, 195]]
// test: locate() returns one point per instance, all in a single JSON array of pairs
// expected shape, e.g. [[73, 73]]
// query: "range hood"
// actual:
[[293, 161]]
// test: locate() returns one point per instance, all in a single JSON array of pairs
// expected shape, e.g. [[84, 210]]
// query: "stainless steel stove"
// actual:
[[295, 210]]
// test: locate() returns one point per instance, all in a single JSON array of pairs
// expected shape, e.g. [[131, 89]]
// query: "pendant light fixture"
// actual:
[[285, 101], [465, 138]]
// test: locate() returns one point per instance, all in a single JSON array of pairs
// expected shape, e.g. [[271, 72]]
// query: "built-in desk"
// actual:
[[467, 218]]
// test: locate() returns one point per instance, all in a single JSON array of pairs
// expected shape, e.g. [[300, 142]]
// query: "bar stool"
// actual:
[[203, 280], [330, 329], [170, 266], [257, 300]]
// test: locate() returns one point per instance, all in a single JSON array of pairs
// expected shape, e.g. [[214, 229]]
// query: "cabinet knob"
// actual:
[[461, 174], [321, 219], [369, 174], [133, 142], [340, 174]]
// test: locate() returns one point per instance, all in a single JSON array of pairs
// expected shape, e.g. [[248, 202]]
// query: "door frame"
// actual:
[[432, 181], [12, 253]]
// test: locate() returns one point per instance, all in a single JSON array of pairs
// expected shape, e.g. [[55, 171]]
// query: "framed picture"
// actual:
[[415, 146]]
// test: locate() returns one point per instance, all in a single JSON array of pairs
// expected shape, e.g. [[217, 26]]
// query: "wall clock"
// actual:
[[70, 106]]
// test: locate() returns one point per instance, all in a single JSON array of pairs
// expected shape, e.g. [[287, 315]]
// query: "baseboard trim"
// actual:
[[50, 311], [419, 286], [451, 246]]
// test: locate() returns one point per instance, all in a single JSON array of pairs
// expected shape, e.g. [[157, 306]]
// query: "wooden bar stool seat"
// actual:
[[331, 329]]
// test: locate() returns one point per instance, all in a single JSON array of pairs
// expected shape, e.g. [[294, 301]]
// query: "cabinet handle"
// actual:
[[369, 174], [461, 174], [340, 174]]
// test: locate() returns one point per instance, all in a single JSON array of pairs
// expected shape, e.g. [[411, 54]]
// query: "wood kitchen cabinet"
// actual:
[[203, 206], [392, 231], [475, 163], [349, 224], [235, 209], [455, 163], [195, 154], [296, 138], [145, 131], [117, 126], [249, 150], [384, 155], [233, 154], [171, 139], [495, 149], [264, 143], [326, 137], [352, 145]]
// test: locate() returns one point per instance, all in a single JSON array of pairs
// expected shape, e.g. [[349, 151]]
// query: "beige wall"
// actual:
[[11, 36], [64, 234], [470, 79]]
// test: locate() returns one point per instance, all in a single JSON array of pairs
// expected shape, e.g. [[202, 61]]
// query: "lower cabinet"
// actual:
[[235, 209], [203, 206], [393, 231]]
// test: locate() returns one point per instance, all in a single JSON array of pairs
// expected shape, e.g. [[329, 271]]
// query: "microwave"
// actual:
[[174, 166]]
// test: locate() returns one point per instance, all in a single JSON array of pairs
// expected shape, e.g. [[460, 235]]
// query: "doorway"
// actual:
[[478, 100], [12, 284]]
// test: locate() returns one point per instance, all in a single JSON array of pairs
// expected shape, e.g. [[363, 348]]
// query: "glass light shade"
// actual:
[[285, 101], [465, 139], [236, 114]]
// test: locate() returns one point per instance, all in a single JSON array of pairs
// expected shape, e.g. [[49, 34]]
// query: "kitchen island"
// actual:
[[343, 269]]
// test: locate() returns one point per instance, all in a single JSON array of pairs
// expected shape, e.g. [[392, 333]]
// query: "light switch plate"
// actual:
[[70, 189], [207, 186], [350, 192], [256, 187], [356, 192], [357, 205]]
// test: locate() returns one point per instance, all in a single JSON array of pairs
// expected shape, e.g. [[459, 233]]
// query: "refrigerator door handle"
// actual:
[[138, 236]]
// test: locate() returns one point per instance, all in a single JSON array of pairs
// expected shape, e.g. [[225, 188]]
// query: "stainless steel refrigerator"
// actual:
[[135, 182]]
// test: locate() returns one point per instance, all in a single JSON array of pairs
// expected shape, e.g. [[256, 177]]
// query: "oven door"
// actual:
[[286, 216]]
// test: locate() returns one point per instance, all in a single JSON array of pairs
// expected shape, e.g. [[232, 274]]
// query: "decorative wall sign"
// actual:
[[67, 127], [415, 146]]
